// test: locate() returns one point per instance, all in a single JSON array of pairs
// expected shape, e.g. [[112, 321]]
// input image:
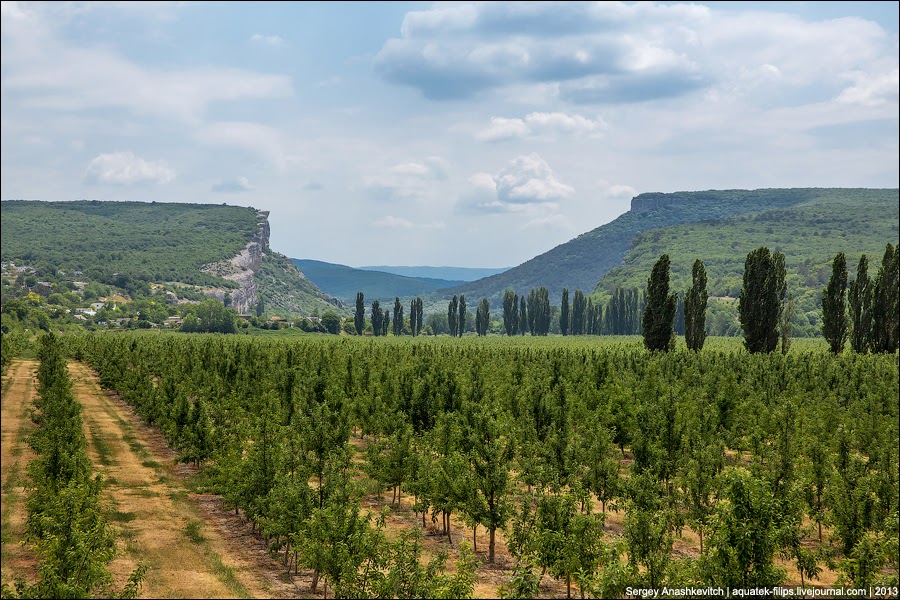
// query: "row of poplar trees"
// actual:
[[867, 313], [659, 314], [381, 317]]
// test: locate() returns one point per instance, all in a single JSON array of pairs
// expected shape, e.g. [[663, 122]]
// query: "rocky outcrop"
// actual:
[[241, 269]]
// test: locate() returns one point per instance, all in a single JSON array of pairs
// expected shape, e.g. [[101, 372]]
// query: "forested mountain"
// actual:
[[137, 247], [582, 262], [455, 274], [344, 282]]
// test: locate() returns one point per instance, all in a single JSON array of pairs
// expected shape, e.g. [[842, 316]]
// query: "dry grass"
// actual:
[[18, 393]]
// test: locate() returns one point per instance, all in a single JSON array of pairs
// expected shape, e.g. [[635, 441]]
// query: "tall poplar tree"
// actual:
[[510, 312], [835, 323], [359, 318], [578, 309], [461, 325], [377, 317], [398, 316], [483, 317], [659, 315], [885, 317], [413, 317], [860, 300], [762, 299], [695, 308], [420, 312], [453, 315], [523, 315], [564, 313]]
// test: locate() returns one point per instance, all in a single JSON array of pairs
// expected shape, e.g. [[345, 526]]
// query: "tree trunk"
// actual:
[[568, 586], [449, 539], [491, 546], [315, 581]]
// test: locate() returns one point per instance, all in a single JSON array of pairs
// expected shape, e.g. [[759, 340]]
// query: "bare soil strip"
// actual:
[[18, 393], [159, 522]]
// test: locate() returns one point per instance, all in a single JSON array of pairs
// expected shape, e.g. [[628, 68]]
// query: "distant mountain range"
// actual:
[[194, 249], [344, 282], [446, 273]]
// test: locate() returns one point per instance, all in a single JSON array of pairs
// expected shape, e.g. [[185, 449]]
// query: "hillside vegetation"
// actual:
[[809, 235], [583, 261], [135, 240], [159, 252], [285, 290]]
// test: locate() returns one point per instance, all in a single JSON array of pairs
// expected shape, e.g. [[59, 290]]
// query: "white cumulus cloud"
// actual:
[[873, 90], [529, 179], [125, 168], [539, 124]]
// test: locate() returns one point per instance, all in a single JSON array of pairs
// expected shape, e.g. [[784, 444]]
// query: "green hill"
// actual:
[[190, 250], [809, 235], [582, 262], [344, 282]]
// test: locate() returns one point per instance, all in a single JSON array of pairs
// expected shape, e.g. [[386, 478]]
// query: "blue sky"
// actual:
[[465, 134]]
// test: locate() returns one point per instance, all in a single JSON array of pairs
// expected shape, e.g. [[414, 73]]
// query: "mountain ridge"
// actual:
[[584, 260]]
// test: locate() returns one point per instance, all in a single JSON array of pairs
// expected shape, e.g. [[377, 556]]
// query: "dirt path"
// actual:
[[17, 395], [191, 552]]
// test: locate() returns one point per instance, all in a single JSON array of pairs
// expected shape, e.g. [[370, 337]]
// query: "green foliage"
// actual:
[[118, 243], [285, 291], [483, 317], [359, 318], [860, 301], [453, 316], [539, 311], [210, 316], [695, 308], [377, 316], [733, 444], [835, 323], [510, 312], [331, 322], [745, 540], [886, 303], [461, 322], [659, 314], [564, 313], [761, 301], [808, 226], [806, 219], [65, 524]]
